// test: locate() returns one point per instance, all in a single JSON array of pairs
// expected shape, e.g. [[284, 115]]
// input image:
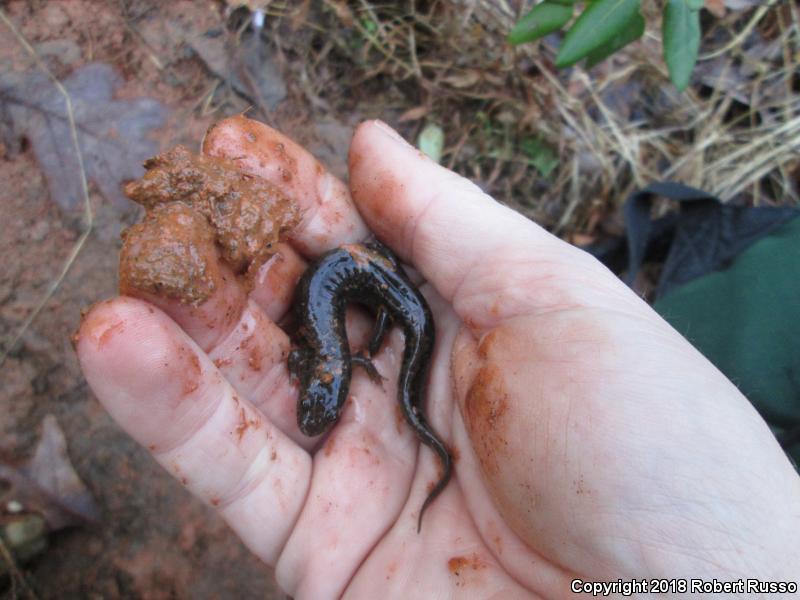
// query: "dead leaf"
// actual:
[[47, 484], [343, 12], [582, 239], [253, 65], [462, 80], [413, 114], [716, 7], [51, 469], [112, 133], [248, 66], [744, 81]]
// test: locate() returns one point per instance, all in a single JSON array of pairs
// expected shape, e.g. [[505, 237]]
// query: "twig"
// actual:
[[622, 141], [148, 49], [376, 43], [89, 217], [574, 196]]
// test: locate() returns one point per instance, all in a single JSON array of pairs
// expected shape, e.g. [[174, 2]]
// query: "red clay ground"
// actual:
[[154, 540]]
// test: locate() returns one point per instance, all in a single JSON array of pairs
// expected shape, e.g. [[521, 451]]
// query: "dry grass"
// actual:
[[735, 132]]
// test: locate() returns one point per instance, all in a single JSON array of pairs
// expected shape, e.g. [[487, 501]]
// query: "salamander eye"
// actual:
[[318, 409]]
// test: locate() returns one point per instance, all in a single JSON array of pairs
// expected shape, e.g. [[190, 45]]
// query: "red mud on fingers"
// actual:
[[107, 324], [458, 564], [209, 322], [246, 421], [253, 358], [466, 570], [266, 149], [186, 367], [111, 329], [378, 195], [200, 209], [328, 217]]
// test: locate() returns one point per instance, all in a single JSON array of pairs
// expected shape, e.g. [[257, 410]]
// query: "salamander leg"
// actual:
[[365, 363], [383, 250], [382, 324]]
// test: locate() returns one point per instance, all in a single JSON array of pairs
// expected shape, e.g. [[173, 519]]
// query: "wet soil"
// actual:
[[154, 540], [195, 206]]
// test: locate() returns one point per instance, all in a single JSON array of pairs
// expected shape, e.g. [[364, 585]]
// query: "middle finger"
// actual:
[[329, 216]]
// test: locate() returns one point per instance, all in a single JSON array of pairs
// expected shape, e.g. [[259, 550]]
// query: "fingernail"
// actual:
[[391, 132]]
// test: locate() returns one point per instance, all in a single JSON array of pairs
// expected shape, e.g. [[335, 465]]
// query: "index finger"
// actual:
[[329, 216]]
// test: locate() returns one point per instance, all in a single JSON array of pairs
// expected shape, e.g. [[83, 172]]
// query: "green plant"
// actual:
[[543, 158], [605, 26]]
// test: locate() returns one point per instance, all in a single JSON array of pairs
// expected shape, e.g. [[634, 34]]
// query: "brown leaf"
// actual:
[[582, 239], [343, 12], [462, 80], [47, 484], [716, 7], [246, 63], [413, 114], [112, 133]]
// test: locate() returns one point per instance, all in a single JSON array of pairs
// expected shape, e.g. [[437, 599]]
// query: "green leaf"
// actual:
[[695, 4], [544, 18], [631, 32], [597, 25], [540, 156], [681, 40], [431, 141], [369, 25]]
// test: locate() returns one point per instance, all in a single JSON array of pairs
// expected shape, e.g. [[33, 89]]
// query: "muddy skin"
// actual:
[[369, 275], [200, 209]]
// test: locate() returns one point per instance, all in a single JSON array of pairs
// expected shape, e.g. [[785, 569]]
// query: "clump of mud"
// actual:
[[200, 209]]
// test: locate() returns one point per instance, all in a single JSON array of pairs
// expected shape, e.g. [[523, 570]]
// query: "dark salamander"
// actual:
[[322, 363]]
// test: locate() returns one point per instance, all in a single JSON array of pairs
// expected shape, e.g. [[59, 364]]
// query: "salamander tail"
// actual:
[[447, 471]]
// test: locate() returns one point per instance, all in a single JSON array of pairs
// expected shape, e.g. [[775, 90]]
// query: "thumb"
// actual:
[[489, 261]]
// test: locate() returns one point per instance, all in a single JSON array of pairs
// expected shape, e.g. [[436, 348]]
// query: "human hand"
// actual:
[[593, 441]]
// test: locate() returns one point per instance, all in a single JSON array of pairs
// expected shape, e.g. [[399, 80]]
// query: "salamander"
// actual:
[[321, 360]]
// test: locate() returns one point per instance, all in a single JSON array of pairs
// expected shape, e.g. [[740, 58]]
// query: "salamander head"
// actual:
[[322, 396]]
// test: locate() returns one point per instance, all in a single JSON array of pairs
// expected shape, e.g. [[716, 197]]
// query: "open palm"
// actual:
[[592, 441]]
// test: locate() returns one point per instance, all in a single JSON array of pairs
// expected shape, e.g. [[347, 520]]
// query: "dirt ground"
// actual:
[[153, 539], [197, 62]]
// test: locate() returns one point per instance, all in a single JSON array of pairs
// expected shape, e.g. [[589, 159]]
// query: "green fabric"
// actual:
[[746, 320]]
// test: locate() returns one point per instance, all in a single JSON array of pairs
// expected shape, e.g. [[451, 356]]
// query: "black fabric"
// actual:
[[705, 235], [744, 320], [730, 285]]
